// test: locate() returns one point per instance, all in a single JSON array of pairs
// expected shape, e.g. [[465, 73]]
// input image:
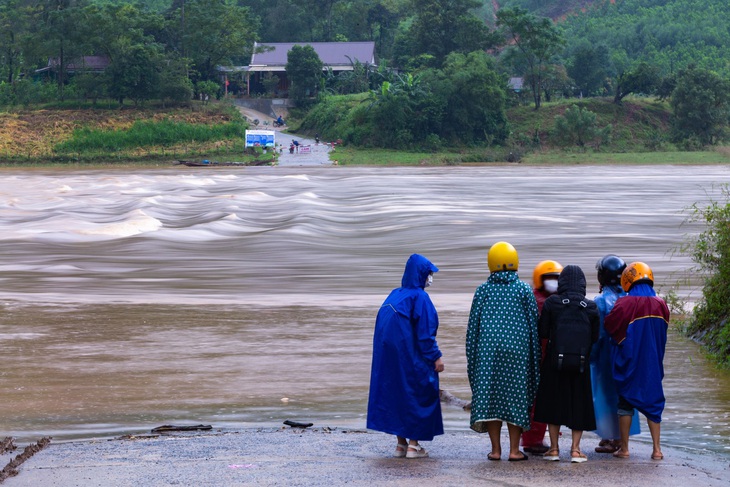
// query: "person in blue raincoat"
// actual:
[[404, 382], [605, 397]]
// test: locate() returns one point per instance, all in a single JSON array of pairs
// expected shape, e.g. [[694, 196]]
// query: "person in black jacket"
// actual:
[[570, 322]]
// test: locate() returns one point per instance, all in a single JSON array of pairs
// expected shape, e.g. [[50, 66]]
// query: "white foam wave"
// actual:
[[20, 336], [194, 181], [136, 222]]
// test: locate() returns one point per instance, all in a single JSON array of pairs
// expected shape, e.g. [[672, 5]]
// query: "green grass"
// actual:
[[147, 134], [350, 156], [638, 158]]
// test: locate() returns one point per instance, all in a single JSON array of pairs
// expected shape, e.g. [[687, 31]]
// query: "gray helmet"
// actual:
[[609, 270]]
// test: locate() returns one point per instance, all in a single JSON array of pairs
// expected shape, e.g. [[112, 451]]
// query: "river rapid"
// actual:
[[243, 297]]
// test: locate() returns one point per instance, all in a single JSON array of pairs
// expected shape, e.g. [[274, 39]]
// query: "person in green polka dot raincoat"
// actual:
[[503, 352]]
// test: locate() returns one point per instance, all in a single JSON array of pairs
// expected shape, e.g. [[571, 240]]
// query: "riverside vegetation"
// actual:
[[94, 135]]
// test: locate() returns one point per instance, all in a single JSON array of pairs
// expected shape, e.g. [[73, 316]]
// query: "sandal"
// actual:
[[400, 450], [657, 456], [536, 449], [416, 451], [519, 459], [552, 455], [608, 446], [576, 456]]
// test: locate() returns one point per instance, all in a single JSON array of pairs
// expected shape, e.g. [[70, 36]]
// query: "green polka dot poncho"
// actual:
[[502, 351]]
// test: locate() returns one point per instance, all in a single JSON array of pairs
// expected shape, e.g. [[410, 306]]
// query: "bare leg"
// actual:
[[655, 430], [515, 432], [624, 425], [494, 429], [577, 435], [554, 433]]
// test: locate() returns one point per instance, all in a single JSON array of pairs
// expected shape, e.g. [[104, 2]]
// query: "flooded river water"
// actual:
[[247, 296]]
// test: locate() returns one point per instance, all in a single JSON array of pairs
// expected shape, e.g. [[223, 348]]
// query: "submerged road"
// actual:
[[310, 153]]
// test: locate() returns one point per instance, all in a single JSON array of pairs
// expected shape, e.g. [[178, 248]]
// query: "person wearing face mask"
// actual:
[[570, 322], [404, 382], [605, 397], [545, 281]]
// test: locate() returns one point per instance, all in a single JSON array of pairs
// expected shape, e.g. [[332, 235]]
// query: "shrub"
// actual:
[[710, 250]]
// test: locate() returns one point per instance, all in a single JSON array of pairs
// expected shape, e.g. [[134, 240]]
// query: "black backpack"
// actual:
[[570, 343]]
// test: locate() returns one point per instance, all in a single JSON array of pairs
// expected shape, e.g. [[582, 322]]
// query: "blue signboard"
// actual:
[[260, 138]]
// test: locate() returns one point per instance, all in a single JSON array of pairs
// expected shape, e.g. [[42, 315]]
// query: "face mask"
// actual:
[[550, 286], [429, 281]]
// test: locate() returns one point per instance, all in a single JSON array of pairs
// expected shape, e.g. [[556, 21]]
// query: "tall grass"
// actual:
[[147, 134]]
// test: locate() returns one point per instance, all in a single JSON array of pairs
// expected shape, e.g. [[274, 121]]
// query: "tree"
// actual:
[[536, 40], [304, 69], [588, 65], [174, 84], [701, 106], [441, 27], [474, 99], [212, 33], [553, 79], [134, 72], [643, 78], [14, 26], [578, 127], [60, 34]]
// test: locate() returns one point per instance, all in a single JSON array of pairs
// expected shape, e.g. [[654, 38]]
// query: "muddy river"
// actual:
[[246, 296]]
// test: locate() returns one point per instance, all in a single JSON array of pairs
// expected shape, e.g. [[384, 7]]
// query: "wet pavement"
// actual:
[[331, 457]]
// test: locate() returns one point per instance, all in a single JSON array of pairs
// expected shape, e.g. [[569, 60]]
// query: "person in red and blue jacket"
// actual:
[[638, 326]]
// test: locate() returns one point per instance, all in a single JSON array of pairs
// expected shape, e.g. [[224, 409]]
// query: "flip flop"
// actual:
[[522, 459], [490, 457], [621, 454], [657, 456]]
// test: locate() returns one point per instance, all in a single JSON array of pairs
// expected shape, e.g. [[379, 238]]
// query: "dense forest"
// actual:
[[170, 50]]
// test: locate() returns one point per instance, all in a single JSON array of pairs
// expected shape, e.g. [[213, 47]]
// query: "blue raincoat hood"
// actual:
[[417, 270], [642, 289]]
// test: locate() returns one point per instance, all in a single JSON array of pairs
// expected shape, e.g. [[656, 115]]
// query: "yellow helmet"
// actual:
[[545, 268], [502, 256], [636, 272]]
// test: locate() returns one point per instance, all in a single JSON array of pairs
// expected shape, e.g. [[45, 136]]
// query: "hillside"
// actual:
[[639, 124]]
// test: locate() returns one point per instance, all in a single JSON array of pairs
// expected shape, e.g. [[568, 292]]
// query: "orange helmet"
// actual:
[[545, 268], [636, 272], [502, 256]]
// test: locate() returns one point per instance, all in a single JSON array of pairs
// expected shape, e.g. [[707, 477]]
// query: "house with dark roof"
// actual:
[[85, 64], [270, 59]]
